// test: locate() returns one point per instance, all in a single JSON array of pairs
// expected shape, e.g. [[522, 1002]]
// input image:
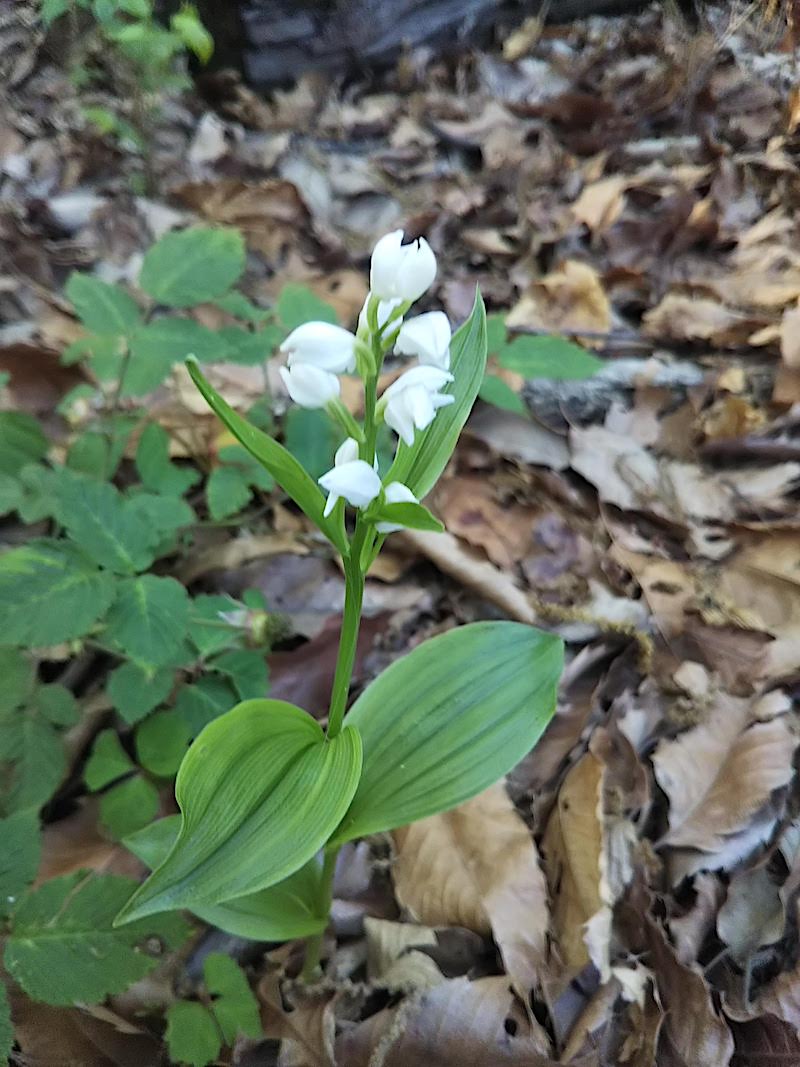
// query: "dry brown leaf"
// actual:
[[690, 930], [306, 1032], [752, 914], [243, 549], [790, 338], [476, 866], [685, 318], [393, 963], [601, 203], [468, 508], [568, 300]]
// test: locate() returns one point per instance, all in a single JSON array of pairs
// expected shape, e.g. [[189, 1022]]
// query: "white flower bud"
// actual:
[[385, 309], [355, 480], [401, 271], [395, 493], [413, 400], [309, 386], [428, 338], [346, 452], [322, 345]]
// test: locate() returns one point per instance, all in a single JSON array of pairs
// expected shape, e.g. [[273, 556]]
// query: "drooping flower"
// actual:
[[412, 401], [401, 271], [323, 345], [395, 493], [428, 338], [350, 477], [309, 386]]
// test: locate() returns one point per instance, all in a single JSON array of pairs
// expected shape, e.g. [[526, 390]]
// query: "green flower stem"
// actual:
[[353, 599], [314, 944]]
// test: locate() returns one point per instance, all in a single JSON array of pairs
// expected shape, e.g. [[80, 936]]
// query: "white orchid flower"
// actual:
[[401, 272], [395, 493], [412, 401], [309, 386], [323, 345], [385, 309], [350, 477], [428, 338]]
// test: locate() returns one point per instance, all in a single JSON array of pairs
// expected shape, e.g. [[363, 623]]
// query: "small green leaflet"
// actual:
[[6, 1028], [157, 471], [128, 807], [548, 357], [19, 856], [231, 484], [162, 741], [134, 692], [192, 1036], [102, 308], [192, 266], [186, 23], [17, 671], [261, 790], [247, 670], [297, 304], [162, 343], [10, 494], [234, 1005], [148, 619], [21, 441], [500, 394], [203, 702], [108, 761]]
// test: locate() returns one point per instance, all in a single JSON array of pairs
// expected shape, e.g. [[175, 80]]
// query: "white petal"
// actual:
[[356, 481], [395, 493], [386, 259], [322, 345], [417, 271], [309, 386], [432, 378], [428, 338], [400, 420], [346, 452], [419, 403]]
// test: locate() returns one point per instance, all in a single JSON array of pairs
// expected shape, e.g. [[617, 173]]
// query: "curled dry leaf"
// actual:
[[305, 1028], [686, 318], [568, 300], [752, 914], [393, 963], [476, 866]]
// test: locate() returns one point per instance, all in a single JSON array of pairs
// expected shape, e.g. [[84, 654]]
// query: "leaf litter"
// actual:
[[630, 894]]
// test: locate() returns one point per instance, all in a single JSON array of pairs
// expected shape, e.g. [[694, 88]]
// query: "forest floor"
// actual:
[[630, 895]]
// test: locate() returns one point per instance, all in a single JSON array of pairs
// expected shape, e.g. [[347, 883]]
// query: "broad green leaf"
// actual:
[[312, 437], [280, 463], [234, 1004], [148, 619], [261, 790], [108, 761], [10, 494], [102, 308], [33, 755], [203, 702], [50, 592], [209, 628], [248, 348], [192, 1036], [298, 304], [134, 692], [161, 743], [89, 454], [247, 670], [128, 807], [17, 674], [238, 305], [63, 949], [496, 333], [21, 441], [101, 521], [19, 856], [446, 721], [500, 394], [39, 491], [227, 492], [414, 516], [192, 266], [163, 514], [156, 469], [420, 465], [164, 342], [549, 357], [6, 1026], [186, 23], [285, 910], [57, 704]]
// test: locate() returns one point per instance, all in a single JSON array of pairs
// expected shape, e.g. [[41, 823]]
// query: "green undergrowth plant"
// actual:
[[267, 795]]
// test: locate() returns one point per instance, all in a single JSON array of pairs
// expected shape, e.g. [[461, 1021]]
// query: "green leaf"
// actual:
[[17, 672], [285, 910], [247, 669], [496, 333], [208, 630], [186, 23], [446, 721], [10, 494], [19, 856], [35, 760], [50, 592], [148, 619], [51, 10], [312, 437], [161, 743], [102, 308], [420, 465], [108, 761], [195, 265], [39, 492], [227, 492], [235, 1006], [192, 1035], [89, 454], [57, 704], [99, 519], [248, 348], [549, 357], [298, 304], [280, 463], [414, 516], [163, 515], [21, 441], [261, 790], [62, 948], [162, 343], [6, 1027], [134, 692], [500, 394], [238, 305], [202, 703], [157, 471], [128, 806]]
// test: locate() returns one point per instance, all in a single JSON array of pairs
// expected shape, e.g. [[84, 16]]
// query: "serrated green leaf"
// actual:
[[157, 471], [192, 1036], [99, 519], [10, 494], [209, 630], [128, 807], [102, 308], [420, 465], [134, 692], [286, 910], [549, 357], [500, 394], [280, 463], [164, 515], [6, 1027], [446, 721], [311, 437], [227, 492], [57, 704], [260, 791], [108, 761], [148, 619], [238, 305], [247, 669], [203, 702], [19, 856], [158, 346], [89, 454], [235, 1006], [17, 673], [162, 742], [36, 764], [50, 592], [298, 304], [195, 265], [21, 441], [62, 948]]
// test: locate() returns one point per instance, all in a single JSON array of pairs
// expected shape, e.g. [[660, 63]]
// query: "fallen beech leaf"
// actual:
[[752, 914], [392, 962], [790, 338], [305, 1030], [476, 866], [568, 300], [689, 931], [468, 508], [601, 203], [686, 318]]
